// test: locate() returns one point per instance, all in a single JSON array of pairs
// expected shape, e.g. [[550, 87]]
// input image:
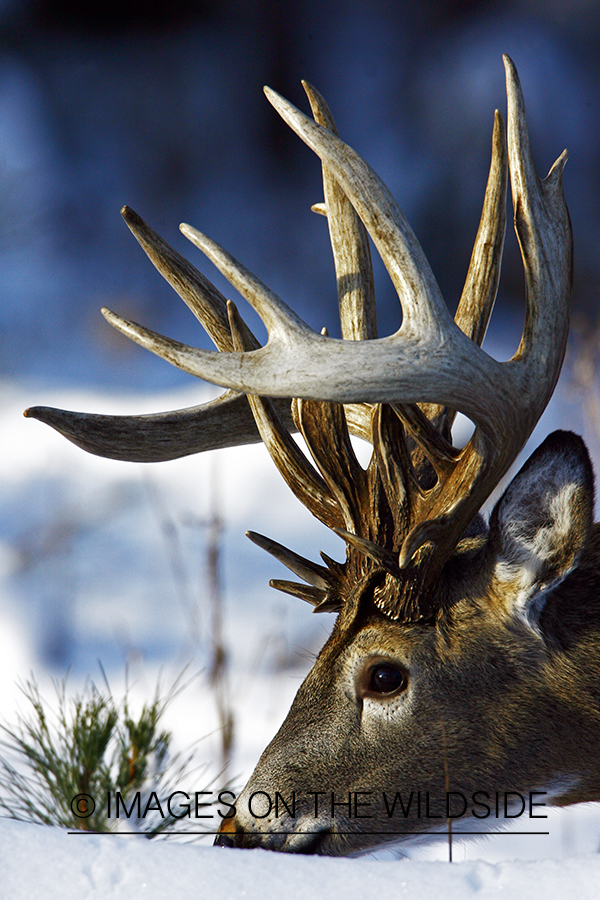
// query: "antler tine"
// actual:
[[277, 316], [430, 440], [317, 598], [324, 428], [349, 244], [316, 575], [321, 601], [543, 228], [422, 303], [320, 591], [483, 276], [387, 560], [203, 299]]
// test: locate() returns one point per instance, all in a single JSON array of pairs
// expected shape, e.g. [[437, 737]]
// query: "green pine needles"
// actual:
[[90, 764]]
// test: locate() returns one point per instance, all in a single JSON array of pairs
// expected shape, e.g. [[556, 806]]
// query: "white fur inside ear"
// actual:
[[532, 541], [540, 526]]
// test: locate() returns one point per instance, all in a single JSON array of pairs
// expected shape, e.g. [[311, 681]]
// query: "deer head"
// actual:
[[463, 657]]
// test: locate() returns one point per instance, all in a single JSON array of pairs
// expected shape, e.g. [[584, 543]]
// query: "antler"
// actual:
[[431, 367]]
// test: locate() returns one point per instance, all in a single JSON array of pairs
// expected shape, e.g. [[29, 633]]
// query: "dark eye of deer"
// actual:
[[386, 679]]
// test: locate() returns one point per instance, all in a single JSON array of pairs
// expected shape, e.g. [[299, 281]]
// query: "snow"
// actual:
[[51, 863]]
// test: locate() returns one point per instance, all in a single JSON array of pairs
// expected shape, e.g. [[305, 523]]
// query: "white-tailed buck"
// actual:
[[463, 668]]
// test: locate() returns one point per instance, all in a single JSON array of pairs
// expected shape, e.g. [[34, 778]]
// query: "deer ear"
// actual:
[[541, 523]]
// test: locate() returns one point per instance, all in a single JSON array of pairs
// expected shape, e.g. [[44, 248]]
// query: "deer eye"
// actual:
[[387, 679]]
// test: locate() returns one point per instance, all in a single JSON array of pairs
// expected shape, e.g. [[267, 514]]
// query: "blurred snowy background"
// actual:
[[160, 106]]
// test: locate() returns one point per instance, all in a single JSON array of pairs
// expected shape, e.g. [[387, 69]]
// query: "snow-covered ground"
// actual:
[[106, 560], [53, 865]]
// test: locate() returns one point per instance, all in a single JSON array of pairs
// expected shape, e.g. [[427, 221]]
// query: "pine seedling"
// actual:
[[91, 765]]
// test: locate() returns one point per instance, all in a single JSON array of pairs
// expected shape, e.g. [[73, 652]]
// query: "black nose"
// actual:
[[224, 840]]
